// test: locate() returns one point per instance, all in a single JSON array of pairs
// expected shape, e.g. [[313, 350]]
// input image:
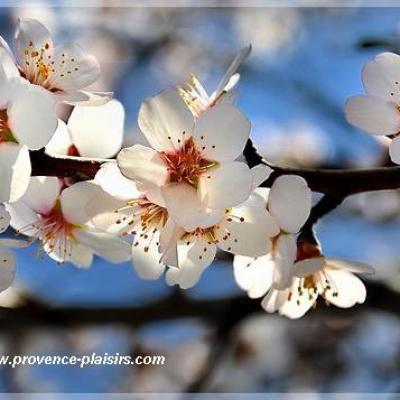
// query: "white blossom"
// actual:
[[56, 217], [63, 70], [377, 112]]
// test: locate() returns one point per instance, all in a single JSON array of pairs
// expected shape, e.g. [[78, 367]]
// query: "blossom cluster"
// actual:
[[170, 206]]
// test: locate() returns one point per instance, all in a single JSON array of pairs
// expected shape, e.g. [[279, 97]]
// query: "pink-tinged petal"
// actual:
[[146, 259], [4, 219], [290, 202], [74, 200], [225, 185], [185, 208], [381, 77], [166, 121], [32, 36], [346, 289], [143, 164], [284, 256], [15, 171], [42, 193], [109, 177], [60, 142], [394, 150], [352, 266], [247, 231], [104, 245], [74, 69], [308, 267], [254, 275], [98, 131], [32, 117], [221, 133], [373, 115], [7, 269]]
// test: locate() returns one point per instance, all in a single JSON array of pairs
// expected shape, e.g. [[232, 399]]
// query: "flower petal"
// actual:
[[74, 69], [166, 121], [169, 237], [381, 76], [32, 110], [60, 142], [254, 275], [352, 266], [98, 131], [308, 267], [185, 208], [42, 193], [7, 269], [247, 231], [394, 150], [221, 133], [373, 115], [284, 257], [260, 174], [83, 98], [105, 245], [290, 202], [15, 171], [23, 218], [275, 299], [143, 165], [225, 185]]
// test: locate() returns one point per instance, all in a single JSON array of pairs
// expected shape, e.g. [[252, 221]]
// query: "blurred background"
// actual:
[[304, 64]]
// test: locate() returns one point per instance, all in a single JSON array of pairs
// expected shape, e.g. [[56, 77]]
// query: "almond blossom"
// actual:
[[91, 132], [191, 164], [27, 122], [378, 111], [197, 98], [312, 275], [55, 217], [63, 70]]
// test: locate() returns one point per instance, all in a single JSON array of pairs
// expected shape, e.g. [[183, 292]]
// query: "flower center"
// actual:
[[5, 131], [186, 164]]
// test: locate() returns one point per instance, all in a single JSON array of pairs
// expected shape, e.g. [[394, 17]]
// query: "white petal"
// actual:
[[247, 231], [74, 69], [31, 116], [394, 150], [221, 133], [290, 202], [381, 76], [33, 36], [42, 193], [260, 174], [194, 258], [14, 243], [8, 69], [308, 267], [373, 115], [225, 185], [98, 131], [7, 269], [60, 142], [349, 289], [166, 121], [22, 218], [104, 245], [274, 300], [352, 266], [258, 198], [146, 259], [284, 257], [185, 208], [80, 256], [253, 275], [15, 171], [240, 57], [83, 98], [296, 306], [143, 165], [110, 178], [169, 237], [74, 200], [4, 218]]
